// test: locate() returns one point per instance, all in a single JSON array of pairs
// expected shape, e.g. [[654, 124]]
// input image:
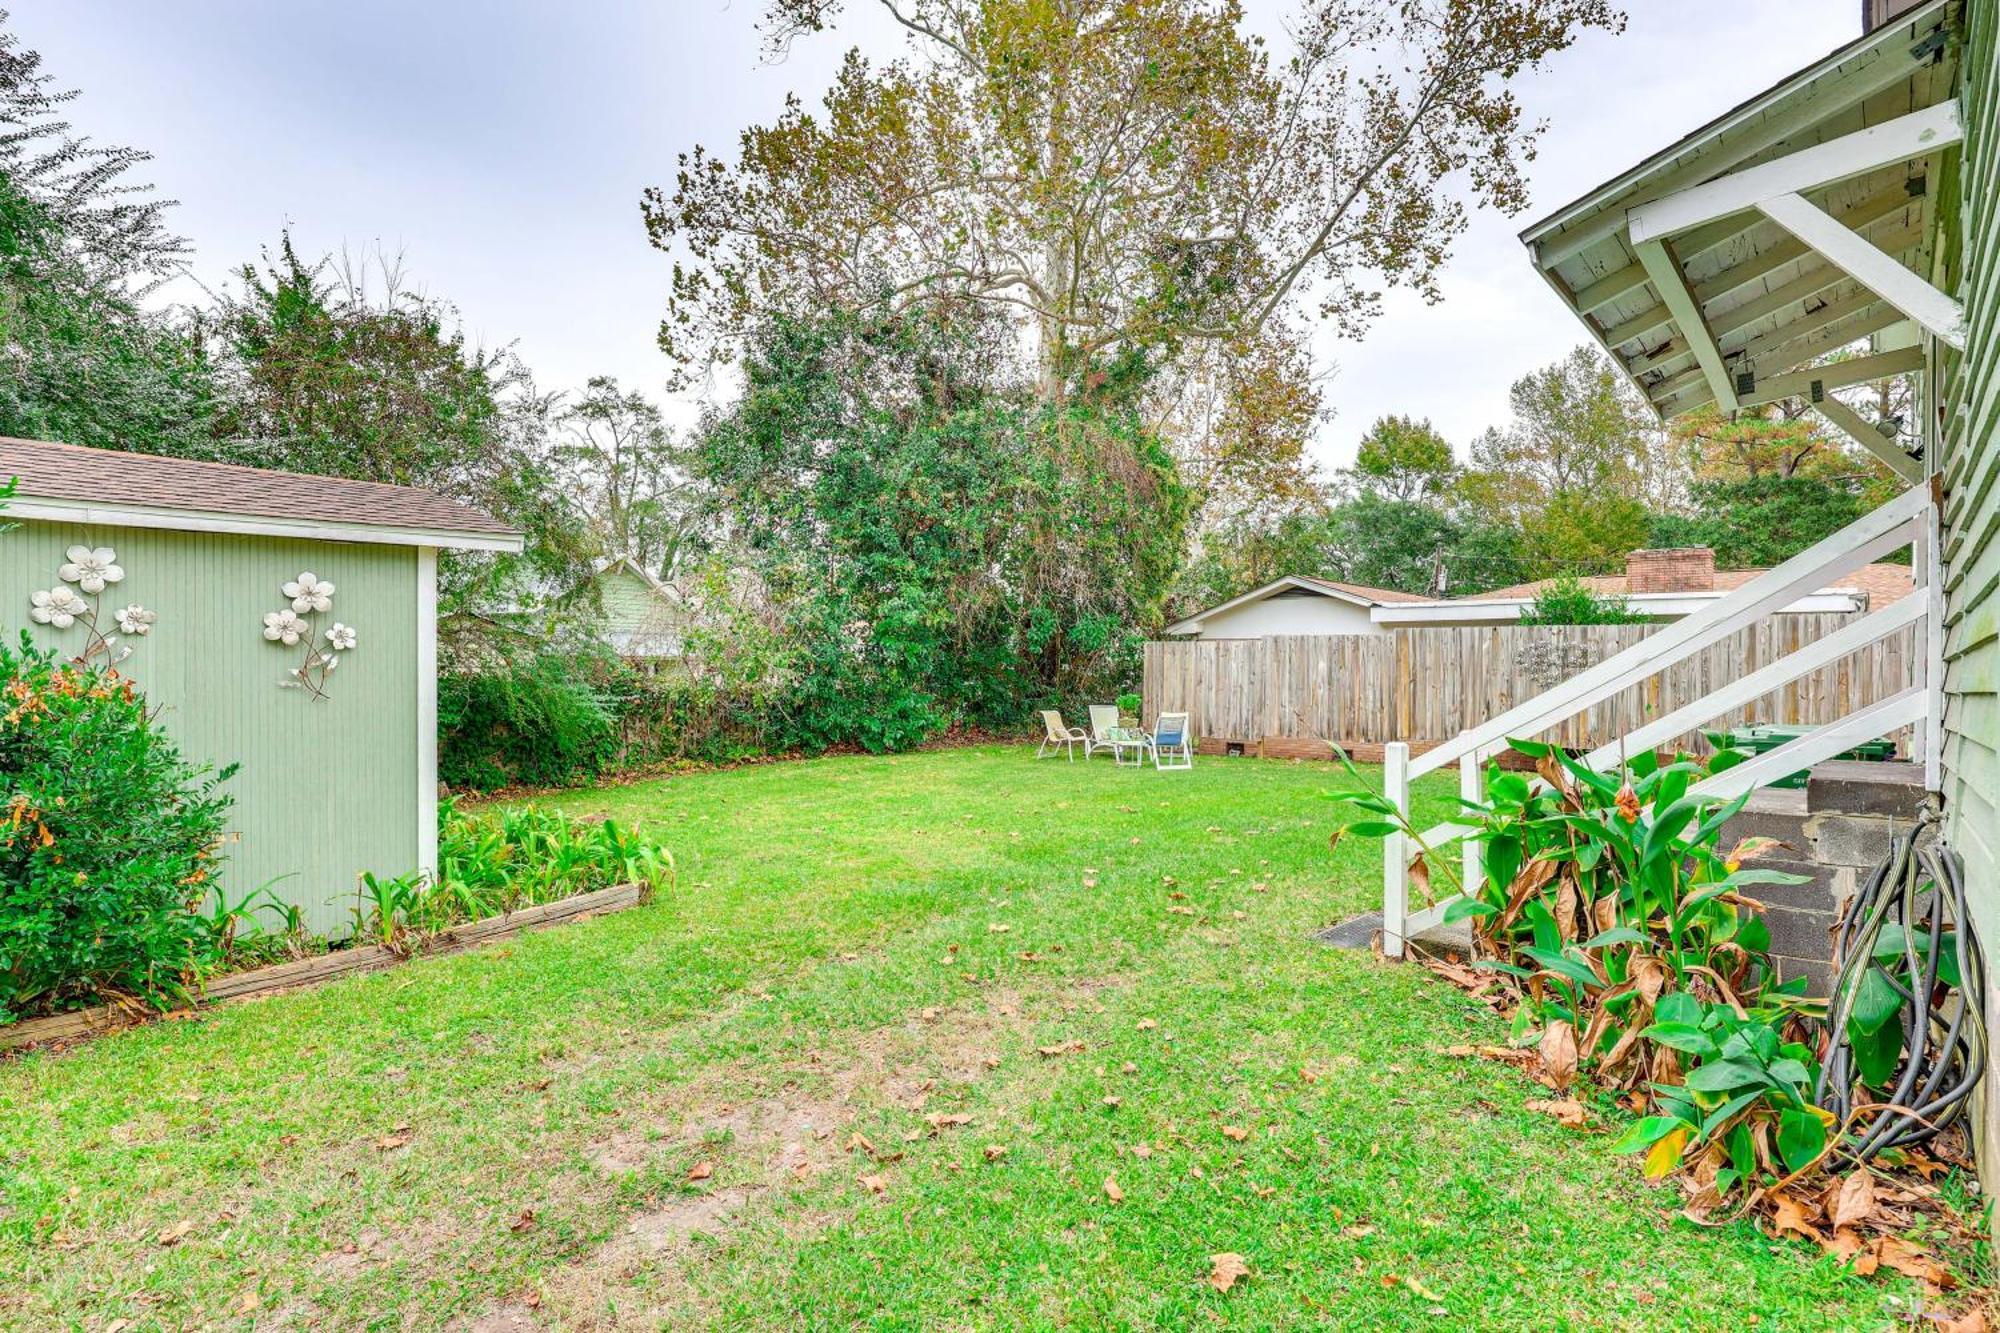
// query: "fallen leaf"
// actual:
[[399, 1137], [1226, 1270], [998, 928], [176, 1233], [1113, 1102], [1142, 1150], [995, 1151], [1790, 1217], [1235, 1132], [524, 1222], [701, 1170], [1111, 1190], [1356, 1231], [1912, 1261], [1415, 1288], [1179, 910], [1972, 1321], [873, 1184], [1148, 1024], [859, 1142], [1569, 1111], [247, 1302], [948, 1120], [1856, 1200]]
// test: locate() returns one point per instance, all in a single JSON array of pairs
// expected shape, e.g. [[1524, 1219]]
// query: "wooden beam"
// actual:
[[1849, 423], [1859, 370], [1673, 290], [1870, 266], [1738, 276], [1850, 155]]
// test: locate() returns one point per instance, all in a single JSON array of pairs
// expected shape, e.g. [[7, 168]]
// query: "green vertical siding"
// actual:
[[1972, 457], [327, 788]]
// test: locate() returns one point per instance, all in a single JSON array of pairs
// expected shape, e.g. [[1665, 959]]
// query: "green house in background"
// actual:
[[283, 623], [642, 617]]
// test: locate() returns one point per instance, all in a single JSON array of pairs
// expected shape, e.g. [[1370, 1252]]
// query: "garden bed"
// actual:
[[324, 967]]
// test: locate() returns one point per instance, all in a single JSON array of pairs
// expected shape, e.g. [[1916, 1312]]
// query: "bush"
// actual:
[[548, 722], [110, 841]]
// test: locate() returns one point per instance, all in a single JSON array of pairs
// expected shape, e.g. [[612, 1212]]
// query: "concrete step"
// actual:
[[1861, 787]]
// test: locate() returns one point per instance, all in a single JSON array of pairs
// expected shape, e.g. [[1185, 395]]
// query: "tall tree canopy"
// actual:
[[1125, 182], [1401, 458]]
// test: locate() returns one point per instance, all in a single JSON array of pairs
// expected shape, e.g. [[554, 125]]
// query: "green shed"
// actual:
[[643, 617], [281, 622]]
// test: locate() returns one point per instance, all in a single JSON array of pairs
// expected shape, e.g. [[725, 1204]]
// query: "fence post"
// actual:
[[1395, 851], [1472, 787]]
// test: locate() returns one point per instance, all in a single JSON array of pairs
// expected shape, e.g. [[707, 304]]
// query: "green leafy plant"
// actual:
[[1637, 957], [109, 842]]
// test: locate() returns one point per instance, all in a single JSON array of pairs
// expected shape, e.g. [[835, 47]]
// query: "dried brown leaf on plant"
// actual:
[[1558, 1052], [1226, 1270]]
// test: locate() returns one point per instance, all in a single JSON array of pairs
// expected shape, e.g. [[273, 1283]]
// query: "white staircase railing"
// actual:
[[1908, 520]]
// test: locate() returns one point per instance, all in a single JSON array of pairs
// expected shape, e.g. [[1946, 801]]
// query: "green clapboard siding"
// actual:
[[637, 619], [1972, 518], [1972, 722], [327, 788]]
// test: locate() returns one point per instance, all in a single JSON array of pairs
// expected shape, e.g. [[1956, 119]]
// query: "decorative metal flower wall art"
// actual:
[[92, 570], [311, 596]]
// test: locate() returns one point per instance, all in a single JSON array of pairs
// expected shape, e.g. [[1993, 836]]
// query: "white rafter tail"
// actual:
[[1878, 146], [1869, 266], [1680, 303], [1850, 423]]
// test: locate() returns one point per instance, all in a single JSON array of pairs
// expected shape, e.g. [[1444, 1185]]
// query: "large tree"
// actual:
[[627, 470], [325, 373], [1128, 183], [82, 358]]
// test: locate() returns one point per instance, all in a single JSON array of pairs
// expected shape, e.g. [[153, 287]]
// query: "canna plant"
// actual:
[[1632, 949]]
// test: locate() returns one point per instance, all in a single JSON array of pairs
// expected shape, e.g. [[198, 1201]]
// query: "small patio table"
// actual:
[[1122, 739]]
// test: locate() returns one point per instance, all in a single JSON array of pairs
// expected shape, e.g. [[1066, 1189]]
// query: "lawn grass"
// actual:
[[504, 1139]]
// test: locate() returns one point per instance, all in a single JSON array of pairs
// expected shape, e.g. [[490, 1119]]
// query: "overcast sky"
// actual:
[[501, 147]]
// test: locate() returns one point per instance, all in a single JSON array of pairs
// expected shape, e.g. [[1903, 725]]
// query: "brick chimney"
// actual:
[[1681, 569], [1875, 13]]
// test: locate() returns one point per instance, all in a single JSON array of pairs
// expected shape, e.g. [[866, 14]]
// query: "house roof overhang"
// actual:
[[1724, 269], [1653, 606], [1192, 624]]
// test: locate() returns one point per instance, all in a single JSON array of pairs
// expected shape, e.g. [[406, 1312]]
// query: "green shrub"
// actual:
[[544, 723], [108, 841]]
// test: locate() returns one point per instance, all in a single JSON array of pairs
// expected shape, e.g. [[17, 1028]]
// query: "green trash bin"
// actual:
[[1761, 740]]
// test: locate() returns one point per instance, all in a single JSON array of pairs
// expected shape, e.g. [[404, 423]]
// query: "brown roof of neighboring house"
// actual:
[[110, 476], [1882, 584], [1363, 590]]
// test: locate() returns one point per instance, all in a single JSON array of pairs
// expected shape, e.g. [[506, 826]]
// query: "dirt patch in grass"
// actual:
[[762, 1150]]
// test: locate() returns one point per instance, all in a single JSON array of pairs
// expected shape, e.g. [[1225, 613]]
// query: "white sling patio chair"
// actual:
[[1103, 721], [1172, 746], [1057, 736]]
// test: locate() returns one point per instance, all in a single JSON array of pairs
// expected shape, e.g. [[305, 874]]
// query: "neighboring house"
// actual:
[[1660, 585], [643, 617], [1294, 604], [239, 588]]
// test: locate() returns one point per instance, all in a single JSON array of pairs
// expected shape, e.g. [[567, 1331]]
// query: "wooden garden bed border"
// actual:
[[326, 967]]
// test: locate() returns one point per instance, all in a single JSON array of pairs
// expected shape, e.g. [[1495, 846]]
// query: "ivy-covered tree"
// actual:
[[937, 551]]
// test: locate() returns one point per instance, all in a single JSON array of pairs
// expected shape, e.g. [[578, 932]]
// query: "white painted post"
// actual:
[[1396, 851], [1928, 556], [1471, 786]]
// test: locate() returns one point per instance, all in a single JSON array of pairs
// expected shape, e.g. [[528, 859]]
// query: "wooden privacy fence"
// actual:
[[1427, 685]]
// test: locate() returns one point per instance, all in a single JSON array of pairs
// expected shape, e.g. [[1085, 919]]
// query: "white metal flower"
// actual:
[[284, 627], [136, 619], [341, 637], [59, 606], [91, 567], [309, 592]]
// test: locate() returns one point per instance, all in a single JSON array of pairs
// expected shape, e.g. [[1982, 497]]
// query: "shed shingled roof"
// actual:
[[46, 470]]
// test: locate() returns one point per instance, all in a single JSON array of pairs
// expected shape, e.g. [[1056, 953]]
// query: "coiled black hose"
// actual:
[[1922, 890]]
